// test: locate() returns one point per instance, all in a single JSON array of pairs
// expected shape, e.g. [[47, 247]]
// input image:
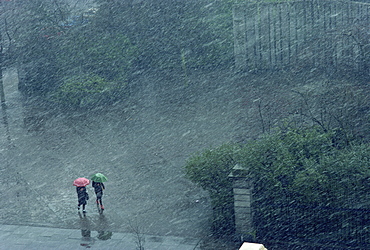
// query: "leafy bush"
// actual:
[[210, 170], [341, 178], [85, 91], [305, 186]]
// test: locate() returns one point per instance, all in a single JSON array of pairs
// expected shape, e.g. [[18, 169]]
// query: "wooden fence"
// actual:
[[312, 34]]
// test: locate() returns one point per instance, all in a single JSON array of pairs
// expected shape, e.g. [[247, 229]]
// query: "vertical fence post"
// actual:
[[324, 35], [2, 94], [242, 188], [240, 53]]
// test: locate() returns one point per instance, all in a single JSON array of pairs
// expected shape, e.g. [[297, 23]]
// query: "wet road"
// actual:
[[141, 145]]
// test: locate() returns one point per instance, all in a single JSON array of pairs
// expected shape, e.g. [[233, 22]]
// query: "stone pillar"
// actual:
[[242, 186]]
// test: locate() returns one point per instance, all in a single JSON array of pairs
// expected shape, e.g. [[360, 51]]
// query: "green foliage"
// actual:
[[121, 36], [109, 56], [163, 30], [35, 33], [304, 184], [298, 171], [276, 158], [97, 63], [218, 42], [341, 178], [85, 91], [210, 170]]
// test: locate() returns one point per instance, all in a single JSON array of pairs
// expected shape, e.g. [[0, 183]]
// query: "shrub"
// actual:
[[210, 170], [85, 91], [305, 186]]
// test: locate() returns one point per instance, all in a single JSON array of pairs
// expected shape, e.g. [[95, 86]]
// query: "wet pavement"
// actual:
[[17, 237], [141, 145]]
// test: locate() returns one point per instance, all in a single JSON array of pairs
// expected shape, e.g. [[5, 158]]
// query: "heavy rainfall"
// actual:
[[217, 123]]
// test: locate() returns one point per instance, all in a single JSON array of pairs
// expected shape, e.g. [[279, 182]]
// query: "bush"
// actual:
[[305, 186], [210, 170], [341, 178], [85, 91]]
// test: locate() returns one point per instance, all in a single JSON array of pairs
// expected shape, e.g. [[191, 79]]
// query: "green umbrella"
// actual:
[[98, 177]]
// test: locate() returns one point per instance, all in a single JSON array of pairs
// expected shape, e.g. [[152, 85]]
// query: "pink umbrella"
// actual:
[[81, 182]]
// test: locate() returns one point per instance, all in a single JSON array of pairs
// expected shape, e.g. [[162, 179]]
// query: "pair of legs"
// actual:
[[99, 195], [83, 206]]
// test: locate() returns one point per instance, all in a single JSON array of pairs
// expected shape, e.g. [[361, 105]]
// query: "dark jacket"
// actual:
[[98, 186], [82, 195]]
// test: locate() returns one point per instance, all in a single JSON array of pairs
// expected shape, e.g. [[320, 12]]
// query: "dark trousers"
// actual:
[[99, 195]]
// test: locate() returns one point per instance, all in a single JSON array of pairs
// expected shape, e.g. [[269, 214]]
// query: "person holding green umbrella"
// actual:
[[98, 185]]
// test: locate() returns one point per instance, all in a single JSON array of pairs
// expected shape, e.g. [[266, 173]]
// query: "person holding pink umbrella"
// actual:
[[82, 194]]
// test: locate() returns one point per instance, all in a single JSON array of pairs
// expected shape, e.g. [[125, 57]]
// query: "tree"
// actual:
[[5, 44], [67, 59], [2, 95], [116, 38], [169, 32], [36, 26]]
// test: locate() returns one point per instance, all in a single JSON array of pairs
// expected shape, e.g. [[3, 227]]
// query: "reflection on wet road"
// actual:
[[100, 225]]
